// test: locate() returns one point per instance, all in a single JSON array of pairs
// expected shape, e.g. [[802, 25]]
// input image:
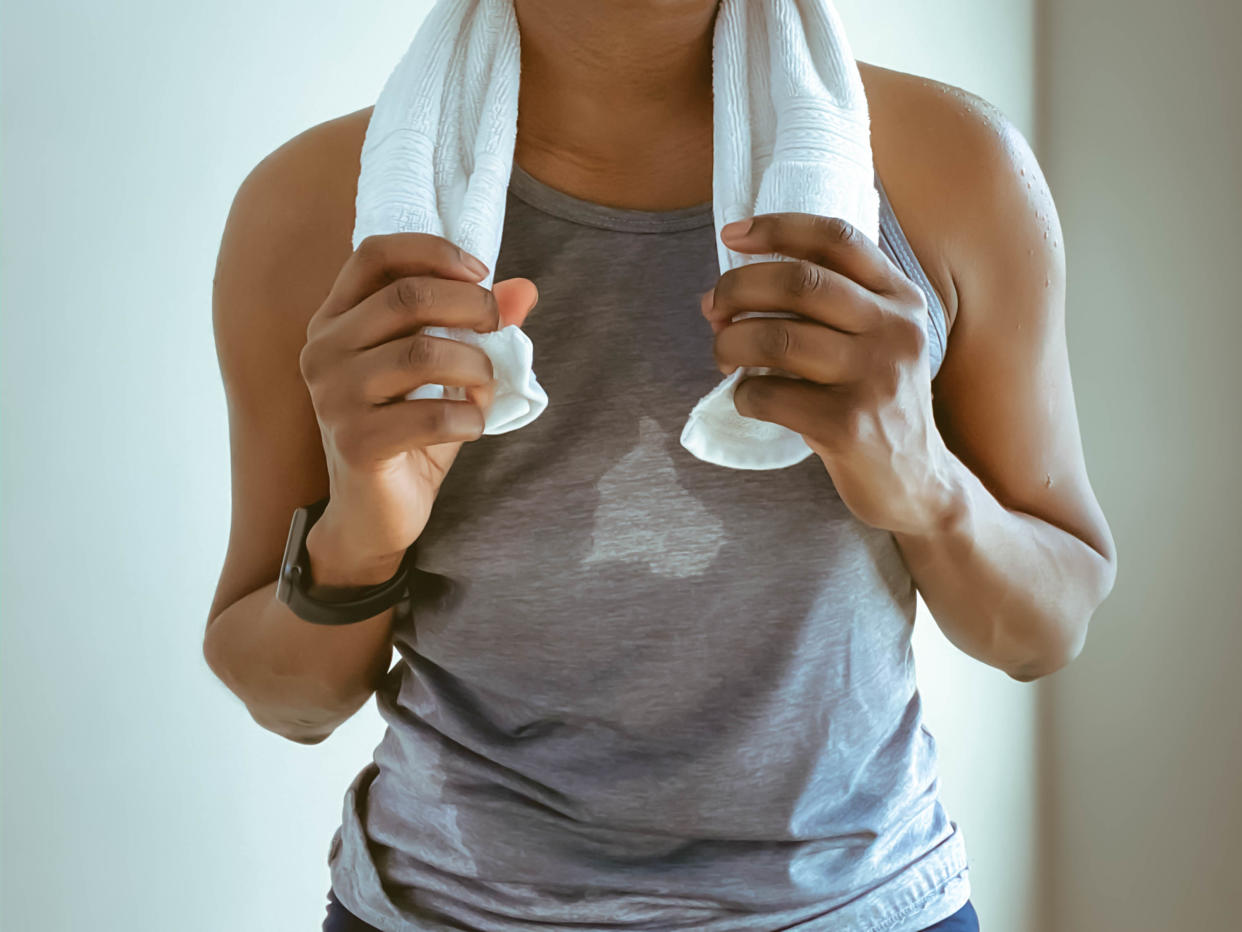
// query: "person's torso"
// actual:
[[639, 690]]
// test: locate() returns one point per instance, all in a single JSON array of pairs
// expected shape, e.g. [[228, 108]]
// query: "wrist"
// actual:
[[945, 497], [338, 570]]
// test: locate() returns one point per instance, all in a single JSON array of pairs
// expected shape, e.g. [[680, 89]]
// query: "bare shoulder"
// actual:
[[944, 154], [293, 214]]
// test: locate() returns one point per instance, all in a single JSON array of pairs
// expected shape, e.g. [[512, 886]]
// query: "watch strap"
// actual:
[[366, 602]]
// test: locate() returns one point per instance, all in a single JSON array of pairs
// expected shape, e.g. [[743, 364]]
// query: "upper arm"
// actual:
[[286, 237], [1003, 398]]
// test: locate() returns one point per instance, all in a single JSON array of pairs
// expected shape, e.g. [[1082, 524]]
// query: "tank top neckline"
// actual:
[[557, 203], [550, 200], [542, 196]]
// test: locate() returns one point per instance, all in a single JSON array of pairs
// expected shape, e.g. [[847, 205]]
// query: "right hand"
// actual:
[[386, 455]]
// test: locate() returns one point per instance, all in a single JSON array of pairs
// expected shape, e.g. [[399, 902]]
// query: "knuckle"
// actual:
[[805, 278], [306, 362], [838, 230], [910, 336], [910, 291], [411, 292], [415, 352], [775, 341], [311, 361], [314, 324], [371, 250]]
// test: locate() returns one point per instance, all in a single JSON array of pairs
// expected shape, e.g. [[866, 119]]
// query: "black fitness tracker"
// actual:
[[366, 602]]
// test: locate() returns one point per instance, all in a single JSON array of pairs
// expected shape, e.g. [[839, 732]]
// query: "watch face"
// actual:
[[290, 564]]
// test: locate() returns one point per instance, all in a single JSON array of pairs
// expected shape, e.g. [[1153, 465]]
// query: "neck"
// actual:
[[616, 95]]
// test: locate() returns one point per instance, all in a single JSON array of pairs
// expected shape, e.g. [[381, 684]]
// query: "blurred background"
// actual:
[[137, 792]]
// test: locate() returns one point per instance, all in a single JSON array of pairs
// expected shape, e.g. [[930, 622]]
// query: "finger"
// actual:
[[792, 403], [393, 370], [798, 286], [404, 425], [828, 241], [403, 306], [804, 349], [382, 258]]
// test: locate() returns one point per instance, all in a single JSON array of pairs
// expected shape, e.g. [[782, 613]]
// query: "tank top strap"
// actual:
[[893, 240]]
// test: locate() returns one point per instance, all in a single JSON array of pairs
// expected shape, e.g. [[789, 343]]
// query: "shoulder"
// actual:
[[292, 215], [287, 234], [325, 156], [313, 172], [963, 180]]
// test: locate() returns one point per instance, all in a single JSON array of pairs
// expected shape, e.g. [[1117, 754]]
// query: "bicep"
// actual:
[[275, 266], [1003, 398]]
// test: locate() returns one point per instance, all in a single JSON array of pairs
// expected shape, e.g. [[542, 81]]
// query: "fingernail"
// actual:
[[737, 229]]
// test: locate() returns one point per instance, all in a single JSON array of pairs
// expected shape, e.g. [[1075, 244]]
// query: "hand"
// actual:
[[387, 455], [859, 345]]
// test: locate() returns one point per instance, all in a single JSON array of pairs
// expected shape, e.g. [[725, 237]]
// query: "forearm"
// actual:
[[1005, 587]]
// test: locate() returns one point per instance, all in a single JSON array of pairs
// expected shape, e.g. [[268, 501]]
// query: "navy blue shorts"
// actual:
[[341, 919]]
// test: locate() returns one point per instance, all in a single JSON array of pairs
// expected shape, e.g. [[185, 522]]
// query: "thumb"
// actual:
[[515, 297]]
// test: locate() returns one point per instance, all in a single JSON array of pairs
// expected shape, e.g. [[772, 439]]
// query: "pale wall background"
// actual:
[[137, 792], [1144, 153]]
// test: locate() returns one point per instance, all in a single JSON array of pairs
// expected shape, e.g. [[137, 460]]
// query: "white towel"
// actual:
[[791, 133]]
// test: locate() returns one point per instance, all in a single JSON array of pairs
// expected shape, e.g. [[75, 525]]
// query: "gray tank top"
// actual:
[[639, 691]]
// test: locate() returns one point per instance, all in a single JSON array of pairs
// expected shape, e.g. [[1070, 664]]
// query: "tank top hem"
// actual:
[[930, 889]]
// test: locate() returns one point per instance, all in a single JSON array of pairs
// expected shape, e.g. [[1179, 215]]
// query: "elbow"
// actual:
[[309, 740], [1045, 665], [292, 728], [1053, 657], [295, 730], [1030, 674], [211, 655], [298, 730], [1073, 635], [1061, 654]]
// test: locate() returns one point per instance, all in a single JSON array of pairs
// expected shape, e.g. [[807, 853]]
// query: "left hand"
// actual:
[[863, 402]]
